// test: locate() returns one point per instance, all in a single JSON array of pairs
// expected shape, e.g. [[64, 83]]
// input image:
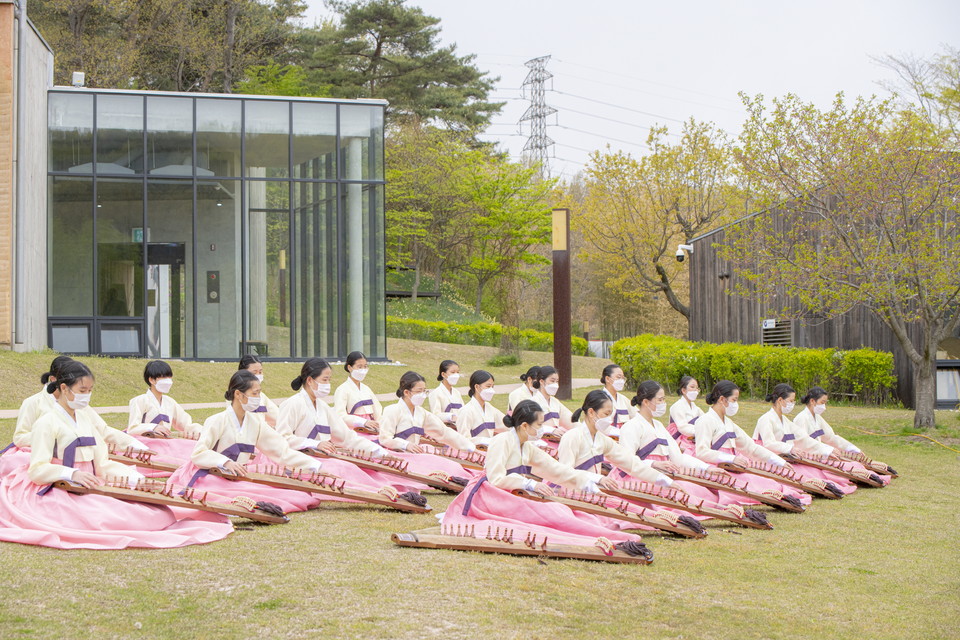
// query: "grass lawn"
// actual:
[[879, 564]]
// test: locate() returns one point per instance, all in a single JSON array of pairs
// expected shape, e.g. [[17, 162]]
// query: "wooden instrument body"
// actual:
[[395, 467], [783, 476], [677, 499], [466, 459], [874, 465], [861, 476], [140, 459], [151, 492], [320, 483], [725, 482], [496, 542], [602, 505]]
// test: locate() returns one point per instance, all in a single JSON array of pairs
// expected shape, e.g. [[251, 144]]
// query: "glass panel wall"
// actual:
[[70, 132], [169, 267], [70, 247], [218, 136], [119, 134], [211, 227]]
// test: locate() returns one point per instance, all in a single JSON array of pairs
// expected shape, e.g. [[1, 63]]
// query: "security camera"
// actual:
[[681, 256], [681, 249]]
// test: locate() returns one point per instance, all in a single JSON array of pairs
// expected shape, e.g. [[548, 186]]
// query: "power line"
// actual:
[[617, 106], [593, 115], [650, 93], [538, 142], [598, 135]]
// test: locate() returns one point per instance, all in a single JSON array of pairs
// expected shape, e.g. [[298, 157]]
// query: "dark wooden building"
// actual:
[[718, 316]]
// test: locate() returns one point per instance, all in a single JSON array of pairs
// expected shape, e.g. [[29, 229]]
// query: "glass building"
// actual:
[[208, 226]]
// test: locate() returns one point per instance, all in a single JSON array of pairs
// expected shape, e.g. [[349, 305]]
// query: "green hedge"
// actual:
[[865, 373], [479, 333]]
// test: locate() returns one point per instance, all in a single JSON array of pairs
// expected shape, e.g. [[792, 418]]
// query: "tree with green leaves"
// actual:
[[637, 210], [386, 49], [873, 195]]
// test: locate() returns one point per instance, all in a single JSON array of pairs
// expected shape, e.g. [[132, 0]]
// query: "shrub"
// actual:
[[864, 373], [503, 360], [479, 333]]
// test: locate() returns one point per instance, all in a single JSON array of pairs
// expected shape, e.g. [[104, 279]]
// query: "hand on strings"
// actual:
[[85, 479], [235, 468]]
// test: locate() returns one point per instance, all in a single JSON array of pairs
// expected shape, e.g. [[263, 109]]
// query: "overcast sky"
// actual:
[[613, 59]]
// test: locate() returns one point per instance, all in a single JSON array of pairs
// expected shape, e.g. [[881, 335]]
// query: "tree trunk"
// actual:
[[436, 277], [925, 391], [416, 282], [476, 307]]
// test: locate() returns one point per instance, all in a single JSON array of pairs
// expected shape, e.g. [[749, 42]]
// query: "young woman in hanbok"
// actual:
[[613, 381], [480, 420], [308, 422], [267, 407], [777, 433], [718, 439], [526, 391], [230, 439], [511, 459], [810, 423], [355, 402], [649, 440], [446, 401], [404, 422], [556, 417], [684, 413], [66, 445], [158, 421]]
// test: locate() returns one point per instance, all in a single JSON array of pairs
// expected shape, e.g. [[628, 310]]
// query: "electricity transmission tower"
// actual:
[[534, 87]]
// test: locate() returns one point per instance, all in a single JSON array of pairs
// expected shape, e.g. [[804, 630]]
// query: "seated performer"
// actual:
[[66, 445], [684, 413], [354, 401], [613, 381], [406, 421], [511, 459], [718, 439], [308, 422], [556, 417], [479, 420], [230, 439], [526, 391], [267, 406], [445, 400], [777, 433]]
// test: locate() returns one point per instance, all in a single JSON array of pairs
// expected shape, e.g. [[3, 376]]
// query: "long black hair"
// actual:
[[723, 389], [647, 390], [352, 358], [58, 363], [782, 390], [444, 367], [478, 377], [607, 372], [248, 360], [241, 381], [312, 368], [70, 373], [594, 400], [525, 412], [815, 393], [407, 382]]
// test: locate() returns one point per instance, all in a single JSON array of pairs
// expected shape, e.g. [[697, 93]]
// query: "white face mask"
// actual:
[[487, 394], [164, 385], [819, 408], [552, 388], [453, 379], [603, 424], [322, 390], [252, 403], [659, 410], [732, 409], [80, 401], [692, 394], [358, 374], [537, 435], [259, 377], [619, 384], [788, 408], [418, 399]]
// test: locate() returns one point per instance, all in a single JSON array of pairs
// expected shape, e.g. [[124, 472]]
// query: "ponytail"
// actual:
[[723, 389], [525, 412], [815, 393], [782, 390], [595, 400], [312, 368], [647, 390]]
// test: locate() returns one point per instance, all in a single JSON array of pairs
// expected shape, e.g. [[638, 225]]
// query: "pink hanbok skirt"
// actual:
[[224, 490], [13, 458], [64, 520]]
